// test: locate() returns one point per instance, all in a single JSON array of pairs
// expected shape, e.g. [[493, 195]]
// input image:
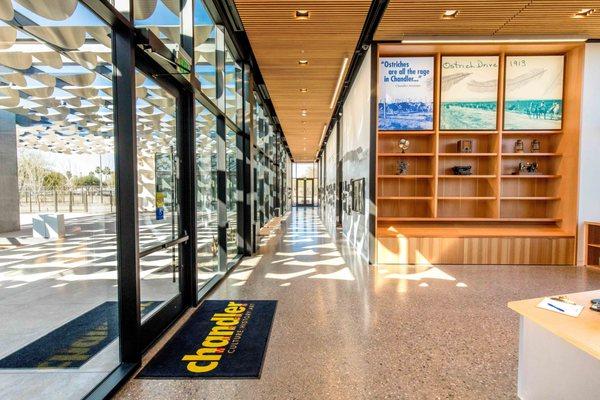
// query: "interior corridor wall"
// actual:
[[330, 189], [354, 154], [589, 147]]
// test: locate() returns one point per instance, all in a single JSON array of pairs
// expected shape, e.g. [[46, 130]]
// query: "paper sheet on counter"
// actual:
[[572, 310]]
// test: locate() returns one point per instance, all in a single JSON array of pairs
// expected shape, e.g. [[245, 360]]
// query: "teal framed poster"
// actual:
[[533, 97], [405, 93], [469, 92]]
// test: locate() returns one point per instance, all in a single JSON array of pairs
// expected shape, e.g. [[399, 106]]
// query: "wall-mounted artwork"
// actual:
[[406, 93], [533, 92], [469, 95], [358, 195]]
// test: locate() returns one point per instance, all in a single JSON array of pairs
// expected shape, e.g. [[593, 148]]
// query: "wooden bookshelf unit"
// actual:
[[493, 216], [592, 244]]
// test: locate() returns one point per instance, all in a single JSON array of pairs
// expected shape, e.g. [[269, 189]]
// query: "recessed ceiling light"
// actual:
[[302, 14], [304, 112], [584, 12], [450, 14], [304, 90], [303, 63]]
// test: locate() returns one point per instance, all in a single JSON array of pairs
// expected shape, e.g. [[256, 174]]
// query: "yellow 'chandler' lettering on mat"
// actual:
[[208, 356]]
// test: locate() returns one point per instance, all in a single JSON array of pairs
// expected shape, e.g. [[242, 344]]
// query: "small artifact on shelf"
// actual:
[[519, 147], [465, 146], [462, 170], [403, 144], [402, 167], [535, 146], [526, 168]]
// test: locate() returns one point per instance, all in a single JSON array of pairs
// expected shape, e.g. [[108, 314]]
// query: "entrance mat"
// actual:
[[74, 343], [222, 339]]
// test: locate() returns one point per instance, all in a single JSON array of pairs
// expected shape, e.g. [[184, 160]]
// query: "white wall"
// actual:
[[589, 158], [330, 157], [329, 205], [355, 142]]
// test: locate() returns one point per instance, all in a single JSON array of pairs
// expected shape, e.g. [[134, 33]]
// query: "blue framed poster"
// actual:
[[469, 95], [533, 92], [405, 93]]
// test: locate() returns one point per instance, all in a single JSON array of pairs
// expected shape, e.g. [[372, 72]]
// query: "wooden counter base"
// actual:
[[476, 250]]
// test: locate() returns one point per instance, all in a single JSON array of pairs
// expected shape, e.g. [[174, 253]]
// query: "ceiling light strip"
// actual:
[[322, 137], [339, 82]]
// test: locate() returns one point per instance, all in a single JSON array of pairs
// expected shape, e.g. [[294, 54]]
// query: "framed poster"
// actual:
[[405, 93], [533, 92], [469, 95], [357, 190]]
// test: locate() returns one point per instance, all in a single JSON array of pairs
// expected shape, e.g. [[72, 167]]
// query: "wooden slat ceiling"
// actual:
[[279, 41], [488, 18]]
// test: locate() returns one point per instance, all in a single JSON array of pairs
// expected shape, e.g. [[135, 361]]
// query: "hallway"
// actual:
[[344, 329]]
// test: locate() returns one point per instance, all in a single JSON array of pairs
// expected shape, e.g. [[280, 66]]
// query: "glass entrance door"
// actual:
[[305, 192], [299, 192], [309, 199], [160, 234]]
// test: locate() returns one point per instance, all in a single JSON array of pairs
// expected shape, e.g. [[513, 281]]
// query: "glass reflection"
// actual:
[[233, 89], [58, 269], [205, 49], [158, 209], [206, 195], [231, 169], [161, 17]]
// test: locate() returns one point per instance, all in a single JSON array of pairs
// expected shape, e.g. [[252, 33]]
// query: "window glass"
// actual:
[[232, 193], [206, 195], [161, 17], [233, 88], [59, 330], [205, 49], [157, 170]]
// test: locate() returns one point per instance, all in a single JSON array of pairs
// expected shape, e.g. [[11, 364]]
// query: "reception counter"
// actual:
[[559, 356]]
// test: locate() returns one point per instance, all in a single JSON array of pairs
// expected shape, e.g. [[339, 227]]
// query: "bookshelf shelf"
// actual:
[[468, 154], [406, 133], [531, 133], [406, 154], [405, 198], [532, 176], [534, 198], [531, 155], [405, 176], [591, 232], [469, 198], [467, 133], [467, 176]]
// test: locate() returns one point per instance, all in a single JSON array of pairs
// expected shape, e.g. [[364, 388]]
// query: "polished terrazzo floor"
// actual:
[[347, 330]]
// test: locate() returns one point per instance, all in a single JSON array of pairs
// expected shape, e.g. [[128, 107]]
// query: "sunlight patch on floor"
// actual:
[[321, 246], [291, 275], [282, 260], [343, 274], [297, 253], [333, 262], [430, 273], [241, 275]]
